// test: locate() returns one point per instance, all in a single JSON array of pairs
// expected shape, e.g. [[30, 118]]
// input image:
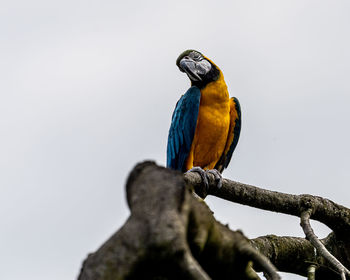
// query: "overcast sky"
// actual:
[[87, 89]]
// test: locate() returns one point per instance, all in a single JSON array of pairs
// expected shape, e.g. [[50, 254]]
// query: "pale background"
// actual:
[[87, 89]]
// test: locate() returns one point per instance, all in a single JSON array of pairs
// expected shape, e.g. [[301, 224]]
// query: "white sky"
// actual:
[[87, 89]]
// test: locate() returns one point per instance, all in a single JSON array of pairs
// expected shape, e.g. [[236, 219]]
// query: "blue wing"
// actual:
[[183, 126], [233, 134]]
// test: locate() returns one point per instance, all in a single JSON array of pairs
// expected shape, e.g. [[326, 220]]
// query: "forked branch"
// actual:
[[171, 234], [335, 216], [322, 250]]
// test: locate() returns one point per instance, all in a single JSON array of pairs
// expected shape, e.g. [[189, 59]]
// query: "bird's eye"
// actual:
[[197, 56]]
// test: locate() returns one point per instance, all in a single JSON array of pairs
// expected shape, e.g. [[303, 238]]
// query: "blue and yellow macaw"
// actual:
[[206, 123]]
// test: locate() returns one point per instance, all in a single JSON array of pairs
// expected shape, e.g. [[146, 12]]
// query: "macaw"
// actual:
[[206, 123]]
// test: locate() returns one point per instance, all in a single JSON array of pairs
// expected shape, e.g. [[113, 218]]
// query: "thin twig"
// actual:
[[322, 250], [311, 272]]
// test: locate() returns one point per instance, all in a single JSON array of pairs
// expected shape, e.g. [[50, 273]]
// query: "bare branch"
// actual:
[[171, 234], [322, 250], [311, 272], [336, 216]]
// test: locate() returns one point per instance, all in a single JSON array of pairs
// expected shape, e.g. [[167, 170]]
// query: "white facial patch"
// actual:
[[195, 66], [203, 67]]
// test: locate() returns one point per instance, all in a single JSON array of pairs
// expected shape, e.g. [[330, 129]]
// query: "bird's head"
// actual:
[[198, 68]]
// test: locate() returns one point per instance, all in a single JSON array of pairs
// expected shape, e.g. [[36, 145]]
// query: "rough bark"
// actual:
[[172, 234], [289, 254], [335, 216]]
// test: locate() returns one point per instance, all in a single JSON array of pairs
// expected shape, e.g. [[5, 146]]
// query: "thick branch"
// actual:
[[171, 234], [335, 216], [296, 255], [289, 254]]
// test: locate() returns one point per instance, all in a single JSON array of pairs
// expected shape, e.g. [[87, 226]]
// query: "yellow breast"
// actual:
[[212, 126]]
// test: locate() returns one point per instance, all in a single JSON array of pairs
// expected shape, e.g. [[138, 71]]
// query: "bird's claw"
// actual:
[[218, 177], [204, 175]]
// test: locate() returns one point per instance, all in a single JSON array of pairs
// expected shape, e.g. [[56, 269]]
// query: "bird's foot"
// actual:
[[204, 175], [217, 176]]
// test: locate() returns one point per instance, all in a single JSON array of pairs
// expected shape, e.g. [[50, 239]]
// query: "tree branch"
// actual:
[[310, 235], [335, 216], [311, 272], [171, 234]]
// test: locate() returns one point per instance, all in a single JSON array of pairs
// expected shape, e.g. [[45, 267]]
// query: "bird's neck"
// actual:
[[215, 92]]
